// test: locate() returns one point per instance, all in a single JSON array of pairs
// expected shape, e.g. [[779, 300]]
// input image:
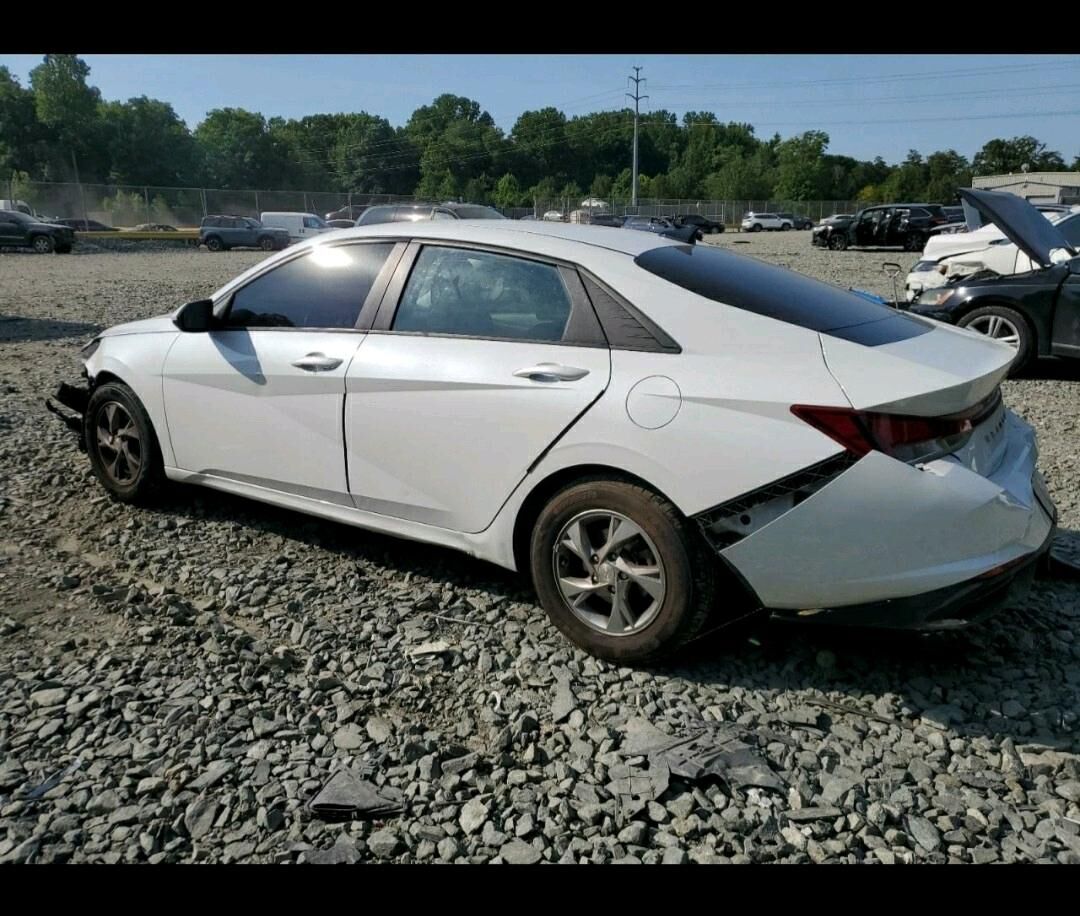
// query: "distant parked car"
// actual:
[[341, 223], [85, 225], [352, 212], [606, 219], [906, 225], [18, 230], [706, 225], [155, 227], [553, 216], [797, 221], [219, 233], [662, 226], [756, 222], [835, 217], [411, 213]]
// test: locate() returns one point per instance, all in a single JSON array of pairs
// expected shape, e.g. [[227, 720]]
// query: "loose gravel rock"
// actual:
[[179, 681]]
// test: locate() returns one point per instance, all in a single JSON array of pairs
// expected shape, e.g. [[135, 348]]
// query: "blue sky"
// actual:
[[882, 104]]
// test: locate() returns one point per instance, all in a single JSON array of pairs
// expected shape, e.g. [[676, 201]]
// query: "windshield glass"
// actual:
[[253, 223], [477, 213]]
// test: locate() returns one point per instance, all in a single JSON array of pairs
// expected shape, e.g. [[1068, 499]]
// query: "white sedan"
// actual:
[[662, 435]]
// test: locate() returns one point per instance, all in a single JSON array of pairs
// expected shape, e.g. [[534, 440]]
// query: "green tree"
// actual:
[[148, 144], [507, 191], [22, 136], [801, 170], [1002, 156], [947, 170], [239, 151], [68, 106]]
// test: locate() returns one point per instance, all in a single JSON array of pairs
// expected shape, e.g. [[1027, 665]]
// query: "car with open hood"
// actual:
[[664, 437], [1035, 311]]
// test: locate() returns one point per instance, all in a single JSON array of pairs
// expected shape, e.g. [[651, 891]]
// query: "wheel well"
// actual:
[[105, 376], [548, 487], [998, 303]]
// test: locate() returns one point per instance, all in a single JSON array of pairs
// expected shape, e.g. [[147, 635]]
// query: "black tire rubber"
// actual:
[[266, 243], [784, 227], [1028, 346], [64, 249], [151, 477], [43, 244], [838, 242], [214, 243], [756, 227], [691, 567], [914, 241]]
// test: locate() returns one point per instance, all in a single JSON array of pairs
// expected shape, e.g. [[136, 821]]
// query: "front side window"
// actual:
[[252, 223], [312, 222], [324, 288], [477, 294]]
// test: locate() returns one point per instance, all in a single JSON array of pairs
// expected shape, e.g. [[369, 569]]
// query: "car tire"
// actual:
[[838, 242], [914, 241], [784, 227], [266, 243], [665, 612], [1002, 323], [214, 243], [756, 227], [42, 244], [122, 445]]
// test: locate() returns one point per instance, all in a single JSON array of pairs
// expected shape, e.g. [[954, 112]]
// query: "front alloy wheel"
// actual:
[[121, 444]]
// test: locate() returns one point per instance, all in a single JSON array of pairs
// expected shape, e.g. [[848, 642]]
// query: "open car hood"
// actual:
[[1022, 224]]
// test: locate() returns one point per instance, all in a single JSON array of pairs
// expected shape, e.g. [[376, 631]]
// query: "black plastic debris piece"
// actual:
[[712, 750], [53, 781], [346, 795]]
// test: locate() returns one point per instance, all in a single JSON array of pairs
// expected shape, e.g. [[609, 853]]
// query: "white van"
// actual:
[[300, 226]]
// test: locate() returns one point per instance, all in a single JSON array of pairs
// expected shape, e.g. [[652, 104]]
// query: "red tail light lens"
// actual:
[[905, 438]]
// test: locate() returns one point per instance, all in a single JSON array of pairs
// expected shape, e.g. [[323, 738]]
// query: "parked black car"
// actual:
[[351, 211], [412, 212], [706, 225], [17, 230], [340, 223], [904, 225], [219, 233], [1038, 312], [84, 225], [797, 221], [605, 219], [664, 227]]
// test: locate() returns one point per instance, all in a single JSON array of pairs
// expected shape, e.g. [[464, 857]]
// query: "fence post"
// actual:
[[258, 212], [305, 201], [202, 194], [146, 200]]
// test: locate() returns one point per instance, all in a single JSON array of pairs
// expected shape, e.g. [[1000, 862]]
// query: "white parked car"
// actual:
[[661, 434], [553, 216], [756, 222], [949, 257], [300, 226]]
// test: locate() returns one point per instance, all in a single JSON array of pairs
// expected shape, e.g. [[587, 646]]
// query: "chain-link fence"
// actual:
[[127, 206], [728, 212]]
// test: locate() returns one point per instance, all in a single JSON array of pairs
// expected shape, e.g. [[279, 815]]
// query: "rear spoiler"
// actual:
[[686, 234]]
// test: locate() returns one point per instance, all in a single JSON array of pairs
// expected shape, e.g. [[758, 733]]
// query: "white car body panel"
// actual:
[[435, 424], [434, 438], [293, 223], [237, 407]]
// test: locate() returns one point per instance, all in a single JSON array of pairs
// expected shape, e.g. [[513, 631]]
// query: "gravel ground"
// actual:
[[176, 683]]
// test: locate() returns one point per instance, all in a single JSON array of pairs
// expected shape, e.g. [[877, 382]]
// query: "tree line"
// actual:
[[452, 148]]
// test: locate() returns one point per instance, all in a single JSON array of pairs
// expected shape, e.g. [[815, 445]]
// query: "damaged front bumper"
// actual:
[[72, 401]]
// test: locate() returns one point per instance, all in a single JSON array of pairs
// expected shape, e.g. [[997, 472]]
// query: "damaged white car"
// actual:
[[661, 435], [981, 253]]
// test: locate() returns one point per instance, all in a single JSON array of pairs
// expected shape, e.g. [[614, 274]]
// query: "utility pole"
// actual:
[[637, 97]]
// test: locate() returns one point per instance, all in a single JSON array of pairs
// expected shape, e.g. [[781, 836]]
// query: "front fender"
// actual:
[[137, 360]]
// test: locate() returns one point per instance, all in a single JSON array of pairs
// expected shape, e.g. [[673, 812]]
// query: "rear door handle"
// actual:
[[317, 362], [551, 372]]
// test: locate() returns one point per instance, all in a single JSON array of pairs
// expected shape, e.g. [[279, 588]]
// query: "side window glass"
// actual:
[[442, 214], [325, 288], [310, 222], [477, 294]]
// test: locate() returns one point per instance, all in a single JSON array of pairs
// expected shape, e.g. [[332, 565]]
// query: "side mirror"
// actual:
[[196, 316]]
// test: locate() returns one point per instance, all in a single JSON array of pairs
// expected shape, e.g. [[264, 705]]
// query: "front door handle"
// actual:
[[317, 362], [551, 372]]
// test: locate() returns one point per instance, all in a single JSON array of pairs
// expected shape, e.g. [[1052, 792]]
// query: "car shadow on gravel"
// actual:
[[16, 329]]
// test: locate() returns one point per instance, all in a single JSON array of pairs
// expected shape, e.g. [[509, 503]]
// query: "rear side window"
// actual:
[[775, 292], [478, 294], [324, 288]]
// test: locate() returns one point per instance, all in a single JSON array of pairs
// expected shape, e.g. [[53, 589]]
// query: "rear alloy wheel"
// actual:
[[42, 244], [121, 443], [266, 243], [1006, 326], [914, 242], [620, 572], [215, 244], [756, 227], [785, 226], [838, 242]]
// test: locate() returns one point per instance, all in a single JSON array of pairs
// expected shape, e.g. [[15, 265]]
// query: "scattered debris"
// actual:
[[347, 795], [53, 781], [467, 623], [438, 647]]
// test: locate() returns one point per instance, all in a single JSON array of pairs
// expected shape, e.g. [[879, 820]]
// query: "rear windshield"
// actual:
[[776, 292], [477, 213]]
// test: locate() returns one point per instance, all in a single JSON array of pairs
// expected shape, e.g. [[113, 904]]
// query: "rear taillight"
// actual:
[[903, 437]]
